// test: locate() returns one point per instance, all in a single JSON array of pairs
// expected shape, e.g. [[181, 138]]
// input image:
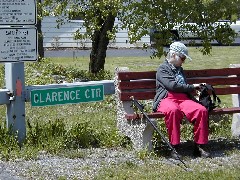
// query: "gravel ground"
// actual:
[[52, 167]]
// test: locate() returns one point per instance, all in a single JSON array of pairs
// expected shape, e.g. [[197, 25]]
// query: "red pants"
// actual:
[[174, 107]]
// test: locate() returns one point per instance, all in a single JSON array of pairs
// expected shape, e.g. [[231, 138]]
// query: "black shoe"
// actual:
[[200, 152], [175, 154]]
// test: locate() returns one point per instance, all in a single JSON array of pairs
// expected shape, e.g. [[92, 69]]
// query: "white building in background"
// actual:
[[63, 37]]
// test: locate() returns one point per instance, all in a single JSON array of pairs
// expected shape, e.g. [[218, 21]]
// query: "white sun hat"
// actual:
[[179, 47]]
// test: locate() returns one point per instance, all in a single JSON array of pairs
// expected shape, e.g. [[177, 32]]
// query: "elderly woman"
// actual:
[[173, 98]]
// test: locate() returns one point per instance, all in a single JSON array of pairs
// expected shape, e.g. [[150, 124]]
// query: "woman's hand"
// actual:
[[197, 86]]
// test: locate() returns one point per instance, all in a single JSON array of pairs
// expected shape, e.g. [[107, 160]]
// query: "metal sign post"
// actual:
[[15, 83], [18, 43]]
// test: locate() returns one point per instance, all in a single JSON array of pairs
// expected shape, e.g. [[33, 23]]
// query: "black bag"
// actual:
[[208, 97]]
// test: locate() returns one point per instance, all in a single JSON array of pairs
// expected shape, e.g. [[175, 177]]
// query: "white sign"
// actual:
[[18, 12], [18, 44]]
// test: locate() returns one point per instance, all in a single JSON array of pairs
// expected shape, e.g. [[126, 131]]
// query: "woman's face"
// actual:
[[178, 60]]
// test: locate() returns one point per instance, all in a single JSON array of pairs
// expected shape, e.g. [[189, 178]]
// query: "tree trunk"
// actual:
[[100, 42], [40, 35], [40, 40]]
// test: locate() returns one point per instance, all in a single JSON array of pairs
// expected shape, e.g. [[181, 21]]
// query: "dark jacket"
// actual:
[[166, 81]]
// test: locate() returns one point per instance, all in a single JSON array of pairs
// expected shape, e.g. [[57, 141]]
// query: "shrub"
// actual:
[[46, 72]]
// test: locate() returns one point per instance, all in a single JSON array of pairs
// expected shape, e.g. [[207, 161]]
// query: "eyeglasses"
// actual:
[[182, 58]]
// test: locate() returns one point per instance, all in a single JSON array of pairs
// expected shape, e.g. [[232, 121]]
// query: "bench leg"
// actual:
[[236, 117], [236, 125], [236, 103], [148, 134], [140, 132]]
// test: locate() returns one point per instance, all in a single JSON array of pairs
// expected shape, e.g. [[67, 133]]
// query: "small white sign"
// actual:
[[18, 12], [18, 44]]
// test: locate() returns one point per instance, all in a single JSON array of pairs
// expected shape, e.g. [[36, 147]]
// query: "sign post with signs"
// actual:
[[18, 12], [18, 40], [18, 43]]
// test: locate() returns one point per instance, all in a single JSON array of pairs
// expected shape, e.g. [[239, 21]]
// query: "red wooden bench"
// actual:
[[142, 86]]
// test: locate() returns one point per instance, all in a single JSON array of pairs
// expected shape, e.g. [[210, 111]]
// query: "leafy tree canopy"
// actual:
[[92, 12], [163, 15], [140, 16]]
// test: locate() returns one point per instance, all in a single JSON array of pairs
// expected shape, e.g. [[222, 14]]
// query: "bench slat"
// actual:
[[144, 84], [144, 95], [216, 81], [150, 84], [227, 90], [126, 76], [161, 115], [139, 116], [125, 96], [212, 72], [230, 110]]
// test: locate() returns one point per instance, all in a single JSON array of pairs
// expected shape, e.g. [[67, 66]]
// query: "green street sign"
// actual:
[[67, 95]]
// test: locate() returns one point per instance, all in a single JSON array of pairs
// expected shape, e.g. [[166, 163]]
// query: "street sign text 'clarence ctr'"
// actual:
[[68, 95]]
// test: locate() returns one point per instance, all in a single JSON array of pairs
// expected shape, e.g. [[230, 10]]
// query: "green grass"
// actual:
[[61, 130], [161, 171], [220, 57]]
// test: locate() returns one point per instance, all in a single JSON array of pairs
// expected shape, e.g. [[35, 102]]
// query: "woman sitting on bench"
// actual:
[[173, 98]]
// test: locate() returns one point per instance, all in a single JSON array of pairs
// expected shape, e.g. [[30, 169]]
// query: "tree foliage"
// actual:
[[139, 17], [98, 20]]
